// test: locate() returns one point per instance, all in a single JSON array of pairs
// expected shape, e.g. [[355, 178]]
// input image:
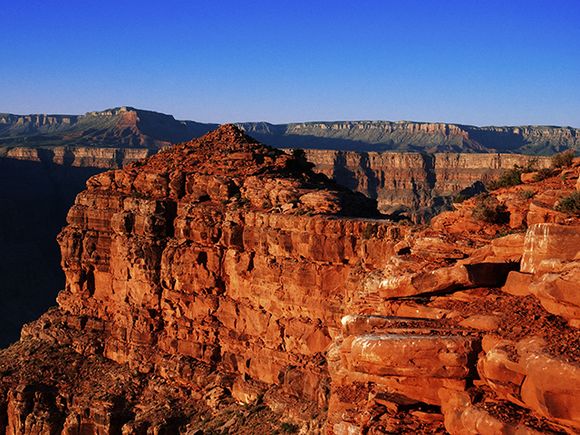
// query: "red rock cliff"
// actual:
[[220, 251], [221, 272]]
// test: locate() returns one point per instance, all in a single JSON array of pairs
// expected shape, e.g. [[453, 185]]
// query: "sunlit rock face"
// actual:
[[222, 285]]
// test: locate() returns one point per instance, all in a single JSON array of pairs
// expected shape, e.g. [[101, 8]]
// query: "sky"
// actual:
[[480, 62]]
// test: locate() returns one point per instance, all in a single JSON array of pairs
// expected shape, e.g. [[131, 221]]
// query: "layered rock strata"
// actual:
[[220, 252], [222, 272], [412, 184], [77, 156], [131, 127], [409, 185]]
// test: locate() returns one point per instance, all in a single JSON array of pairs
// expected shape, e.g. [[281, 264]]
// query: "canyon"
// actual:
[[39, 185], [224, 286], [416, 185]]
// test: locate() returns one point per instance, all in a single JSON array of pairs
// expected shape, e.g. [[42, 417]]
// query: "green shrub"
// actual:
[[531, 165], [489, 209], [510, 177], [459, 198], [570, 204], [289, 427], [543, 173], [526, 194], [563, 160]]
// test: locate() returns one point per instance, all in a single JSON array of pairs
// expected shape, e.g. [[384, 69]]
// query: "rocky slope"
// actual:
[[222, 286]]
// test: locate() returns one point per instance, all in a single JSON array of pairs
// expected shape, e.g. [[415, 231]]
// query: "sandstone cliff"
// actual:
[[412, 184], [221, 272], [42, 182], [77, 156]]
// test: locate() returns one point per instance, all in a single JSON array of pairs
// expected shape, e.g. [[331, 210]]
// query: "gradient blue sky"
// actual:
[[477, 62]]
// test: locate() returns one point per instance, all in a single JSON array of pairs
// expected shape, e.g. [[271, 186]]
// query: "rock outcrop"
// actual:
[[412, 185], [222, 285]]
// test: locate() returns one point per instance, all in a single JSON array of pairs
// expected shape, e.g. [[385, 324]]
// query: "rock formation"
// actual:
[[415, 185], [412, 185], [222, 285], [124, 127], [416, 136]]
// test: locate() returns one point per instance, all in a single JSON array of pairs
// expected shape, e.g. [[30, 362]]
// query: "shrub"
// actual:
[[290, 427], [563, 160], [510, 177], [526, 194], [531, 165], [488, 209], [459, 198], [543, 173], [368, 231], [570, 204]]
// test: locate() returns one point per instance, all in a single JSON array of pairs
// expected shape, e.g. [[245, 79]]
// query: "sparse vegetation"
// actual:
[[570, 204], [510, 177], [289, 427], [368, 231], [489, 209], [531, 165], [459, 198], [563, 160], [526, 194], [543, 173]]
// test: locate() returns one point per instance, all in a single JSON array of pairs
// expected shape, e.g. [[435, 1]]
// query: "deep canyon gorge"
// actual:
[[39, 185], [223, 285], [330, 284]]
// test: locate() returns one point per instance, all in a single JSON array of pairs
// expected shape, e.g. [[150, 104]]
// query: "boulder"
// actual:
[[547, 242]]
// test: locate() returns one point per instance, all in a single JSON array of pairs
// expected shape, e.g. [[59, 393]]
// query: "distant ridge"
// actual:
[[128, 127], [118, 127]]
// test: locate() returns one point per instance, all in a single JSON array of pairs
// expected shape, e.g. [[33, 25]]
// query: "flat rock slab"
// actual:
[[410, 355]]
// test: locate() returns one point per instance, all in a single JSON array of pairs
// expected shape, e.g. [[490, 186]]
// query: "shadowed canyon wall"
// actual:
[[34, 198], [419, 185]]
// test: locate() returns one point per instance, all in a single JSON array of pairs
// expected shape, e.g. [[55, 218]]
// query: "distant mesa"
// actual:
[[127, 126]]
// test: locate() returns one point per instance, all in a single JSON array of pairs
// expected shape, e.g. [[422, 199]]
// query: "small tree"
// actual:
[[489, 209]]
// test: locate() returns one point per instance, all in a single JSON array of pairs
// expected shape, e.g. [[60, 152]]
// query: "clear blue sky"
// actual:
[[469, 61]]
